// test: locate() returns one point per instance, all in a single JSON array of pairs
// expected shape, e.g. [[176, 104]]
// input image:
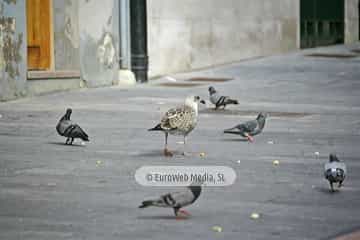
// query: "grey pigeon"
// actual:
[[219, 100], [249, 128], [335, 171], [175, 200], [179, 121], [69, 129]]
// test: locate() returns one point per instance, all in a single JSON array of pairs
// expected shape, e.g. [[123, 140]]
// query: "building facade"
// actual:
[[51, 45]]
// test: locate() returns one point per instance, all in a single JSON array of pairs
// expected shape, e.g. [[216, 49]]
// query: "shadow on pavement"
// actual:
[[327, 190], [235, 140], [63, 144]]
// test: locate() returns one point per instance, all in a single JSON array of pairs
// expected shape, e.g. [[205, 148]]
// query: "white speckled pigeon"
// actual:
[[175, 200], [335, 171], [218, 100], [179, 121], [69, 129], [249, 128]]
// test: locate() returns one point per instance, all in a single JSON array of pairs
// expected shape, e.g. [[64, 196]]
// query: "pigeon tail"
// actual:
[[145, 204], [250, 138], [232, 101], [232, 131], [156, 128], [86, 139]]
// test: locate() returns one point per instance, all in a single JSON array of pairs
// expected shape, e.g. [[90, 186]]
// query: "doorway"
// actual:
[[321, 22], [38, 16]]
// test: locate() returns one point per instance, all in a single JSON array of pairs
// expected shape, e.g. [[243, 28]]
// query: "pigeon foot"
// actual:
[[250, 138], [182, 215], [185, 212]]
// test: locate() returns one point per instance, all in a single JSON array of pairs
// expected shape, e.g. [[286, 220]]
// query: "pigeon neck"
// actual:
[[333, 158], [261, 122], [196, 190], [214, 94], [66, 116]]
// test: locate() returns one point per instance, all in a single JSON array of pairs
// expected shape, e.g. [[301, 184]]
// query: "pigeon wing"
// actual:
[[248, 126], [220, 100], [214, 98], [75, 131], [62, 126], [183, 198], [175, 199]]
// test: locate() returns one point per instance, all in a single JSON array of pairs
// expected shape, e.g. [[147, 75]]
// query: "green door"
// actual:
[[322, 22]]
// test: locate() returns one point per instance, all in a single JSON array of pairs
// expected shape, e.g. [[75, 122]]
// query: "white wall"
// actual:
[[99, 41], [190, 34], [351, 21]]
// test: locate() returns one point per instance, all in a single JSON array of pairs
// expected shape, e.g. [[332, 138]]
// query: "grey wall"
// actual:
[[99, 40], [12, 49], [86, 38], [66, 34], [351, 21], [190, 34]]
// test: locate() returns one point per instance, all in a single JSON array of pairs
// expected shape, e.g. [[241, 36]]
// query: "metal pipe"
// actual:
[[139, 57]]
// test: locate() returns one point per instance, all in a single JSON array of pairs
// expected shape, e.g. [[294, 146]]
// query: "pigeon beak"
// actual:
[[202, 101]]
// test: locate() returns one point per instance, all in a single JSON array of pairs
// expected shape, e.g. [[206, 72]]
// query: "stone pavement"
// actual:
[[52, 191]]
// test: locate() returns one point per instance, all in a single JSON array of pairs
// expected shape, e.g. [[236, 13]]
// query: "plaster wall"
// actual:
[[99, 41], [351, 21], [12, 49], [66, 34], [191, 34]]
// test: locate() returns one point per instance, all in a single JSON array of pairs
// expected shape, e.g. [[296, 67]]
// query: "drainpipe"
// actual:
[[124, 25], [139, 57]]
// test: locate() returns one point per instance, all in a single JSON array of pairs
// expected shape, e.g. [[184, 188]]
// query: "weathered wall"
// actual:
[[351, 21], [99, 41], [66, 34], [12, 49], [191, 34]]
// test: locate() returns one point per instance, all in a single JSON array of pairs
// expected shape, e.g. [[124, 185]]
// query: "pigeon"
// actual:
[[249, 128], [176, 200], [335, 171], [219, 100], [179, 121], [69, 129]]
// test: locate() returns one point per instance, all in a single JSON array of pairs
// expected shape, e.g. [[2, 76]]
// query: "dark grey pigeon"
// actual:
[[249, 128], [175, 200], [69, 129], [219, 100], [335, 171]]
